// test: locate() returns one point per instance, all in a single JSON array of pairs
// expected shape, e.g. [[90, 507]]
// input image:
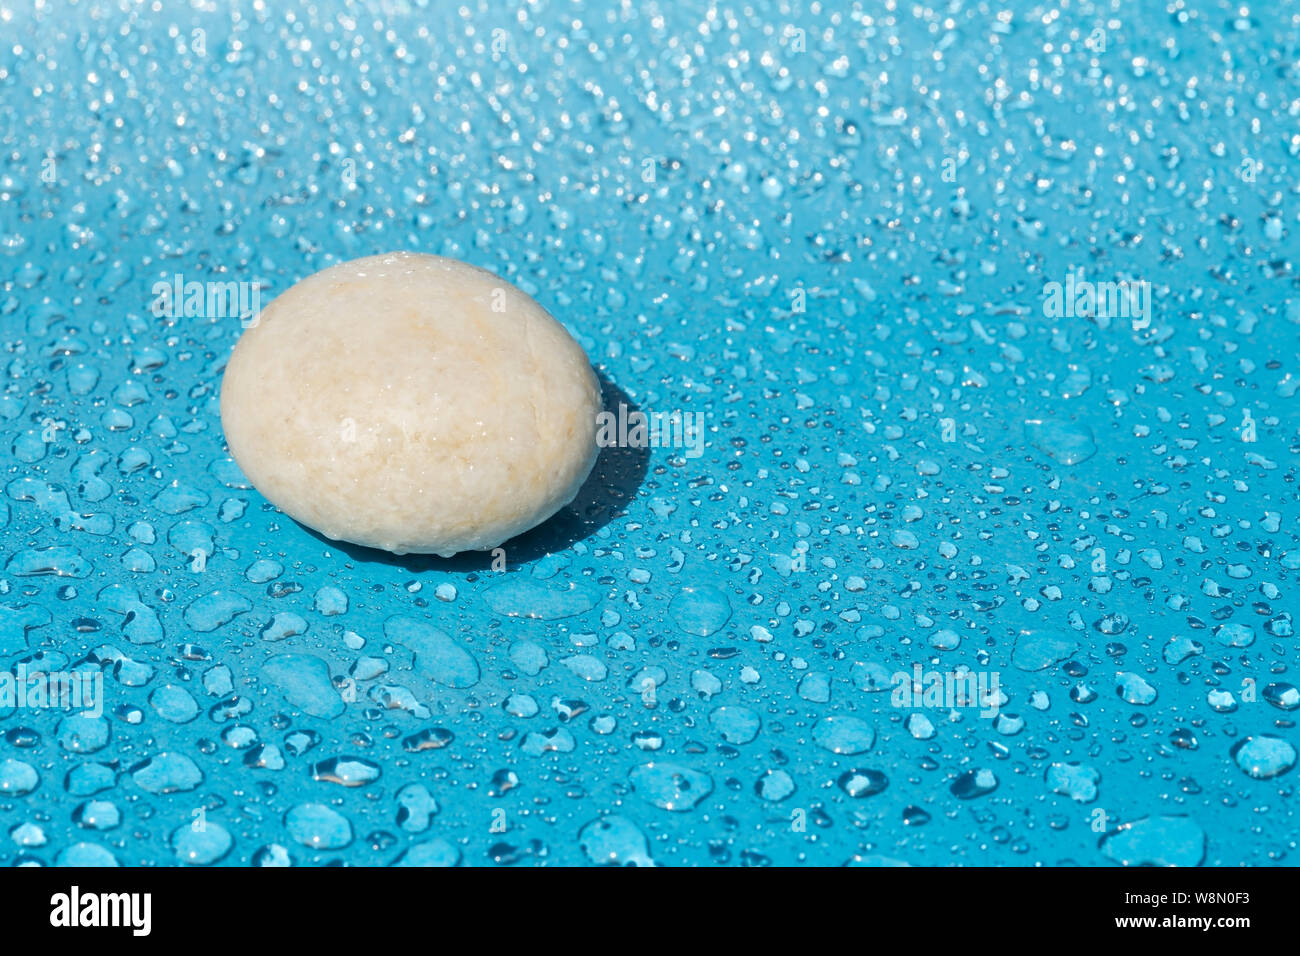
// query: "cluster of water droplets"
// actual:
[[829, 232]]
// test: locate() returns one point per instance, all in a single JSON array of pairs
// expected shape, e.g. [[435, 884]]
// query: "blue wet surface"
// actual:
[[830, 234]]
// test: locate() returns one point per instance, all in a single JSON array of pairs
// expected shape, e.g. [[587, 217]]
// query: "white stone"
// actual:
[[411, 403]]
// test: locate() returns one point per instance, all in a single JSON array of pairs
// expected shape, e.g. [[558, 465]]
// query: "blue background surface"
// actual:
[[828, 232]]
